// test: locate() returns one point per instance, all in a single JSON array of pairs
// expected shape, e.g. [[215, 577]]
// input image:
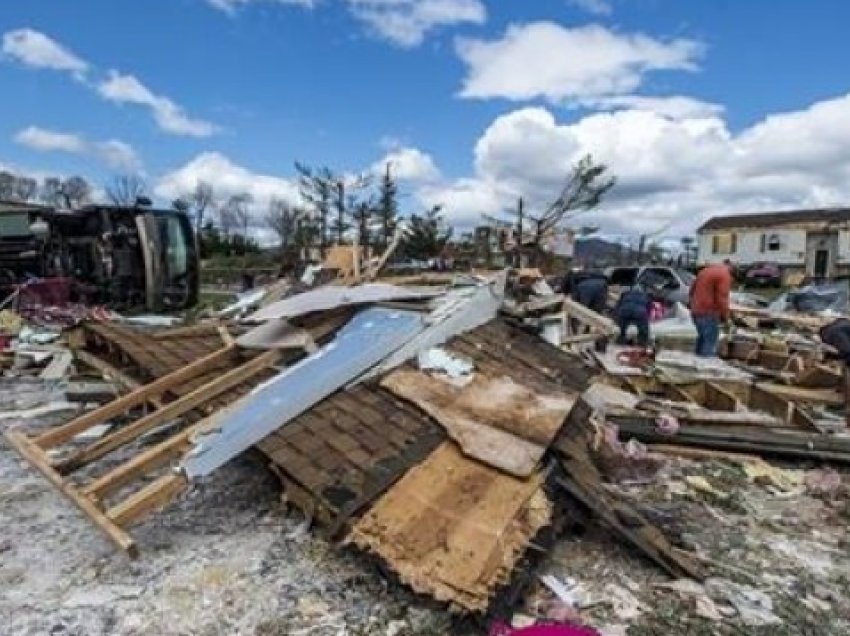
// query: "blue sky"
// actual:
[[699, 107]]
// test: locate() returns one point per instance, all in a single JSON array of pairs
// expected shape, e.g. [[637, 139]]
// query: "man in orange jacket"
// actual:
[[710, 305]]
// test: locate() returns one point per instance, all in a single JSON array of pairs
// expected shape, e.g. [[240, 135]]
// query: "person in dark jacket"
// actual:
[[837, 335], [633, 309], [588, 288]]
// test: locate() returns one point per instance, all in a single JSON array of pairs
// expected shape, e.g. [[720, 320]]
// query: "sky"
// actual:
[[698, 107]]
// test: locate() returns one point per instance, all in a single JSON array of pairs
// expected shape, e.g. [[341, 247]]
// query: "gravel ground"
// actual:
[[230, 558]]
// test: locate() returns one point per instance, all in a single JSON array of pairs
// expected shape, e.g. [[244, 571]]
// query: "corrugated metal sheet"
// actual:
[[370, 337]]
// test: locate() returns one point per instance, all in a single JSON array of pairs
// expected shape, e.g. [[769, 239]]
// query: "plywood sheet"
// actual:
[[454, 528], [494, 419]]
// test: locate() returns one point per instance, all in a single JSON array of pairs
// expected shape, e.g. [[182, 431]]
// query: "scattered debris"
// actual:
[[455, 437]]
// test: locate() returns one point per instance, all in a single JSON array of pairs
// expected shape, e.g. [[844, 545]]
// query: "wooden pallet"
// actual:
[[109, 499]]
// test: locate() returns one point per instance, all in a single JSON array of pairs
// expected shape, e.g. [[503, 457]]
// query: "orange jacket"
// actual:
[[710, 292]]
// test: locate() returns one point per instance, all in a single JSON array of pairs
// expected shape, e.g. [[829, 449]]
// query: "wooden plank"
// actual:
[[691, 452], [169, 412], [226, 338], [36, 456], [58, 366], [819, 376], [598, 322], [827, 397], [110, 372], [761, 400], [154, 496], [719, 399], [145, 462], [62, 434]]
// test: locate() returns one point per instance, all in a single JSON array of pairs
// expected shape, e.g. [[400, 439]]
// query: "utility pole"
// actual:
[[519, 214]]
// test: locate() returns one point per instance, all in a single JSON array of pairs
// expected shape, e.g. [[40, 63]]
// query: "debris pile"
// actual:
[[456, 434]]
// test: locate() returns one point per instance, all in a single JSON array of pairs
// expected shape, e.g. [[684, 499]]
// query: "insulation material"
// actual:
[[454, 528], [494, 419]]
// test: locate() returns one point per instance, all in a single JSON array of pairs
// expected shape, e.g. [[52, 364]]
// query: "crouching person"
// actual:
[[633, 308]]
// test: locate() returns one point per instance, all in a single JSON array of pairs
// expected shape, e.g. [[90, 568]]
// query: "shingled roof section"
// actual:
[[775, 219], [339, 456]]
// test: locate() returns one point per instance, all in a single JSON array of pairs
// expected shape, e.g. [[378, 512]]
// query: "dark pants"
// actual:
[[708, 333], [641, 321]]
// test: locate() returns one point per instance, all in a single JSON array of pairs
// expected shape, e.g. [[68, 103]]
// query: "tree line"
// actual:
[[334, 209]]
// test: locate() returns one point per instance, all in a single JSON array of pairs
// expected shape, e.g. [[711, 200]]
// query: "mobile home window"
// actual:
[[770, 243], [724, 243]]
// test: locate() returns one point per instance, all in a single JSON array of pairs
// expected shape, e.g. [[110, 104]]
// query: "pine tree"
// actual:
[[387, 208]]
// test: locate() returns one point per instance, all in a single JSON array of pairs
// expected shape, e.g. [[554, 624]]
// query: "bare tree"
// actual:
[[25, 188], [7, 186], [126, 189], [234, 214], [241, 204], [202, 197], [51, 191], [284, 220], [584, 189], [74, 192]]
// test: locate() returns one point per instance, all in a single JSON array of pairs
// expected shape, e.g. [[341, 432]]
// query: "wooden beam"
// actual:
[[719, 399], [107, 370], [226, 338], [142, 464], [154, 496], [778, 406], [169, 412], [62, 434], [819, 376], [37, 457], [828, 397], [677, 394], [602, 324]]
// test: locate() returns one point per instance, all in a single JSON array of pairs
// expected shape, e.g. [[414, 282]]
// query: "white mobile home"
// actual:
[[815, 243]]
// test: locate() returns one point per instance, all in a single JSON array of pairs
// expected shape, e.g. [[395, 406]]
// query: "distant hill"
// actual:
[[593, 251]]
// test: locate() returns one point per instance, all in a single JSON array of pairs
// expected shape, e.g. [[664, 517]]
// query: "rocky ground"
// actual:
[[230, 558]]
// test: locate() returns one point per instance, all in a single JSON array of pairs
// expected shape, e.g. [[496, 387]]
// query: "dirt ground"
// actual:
[[230, 558]]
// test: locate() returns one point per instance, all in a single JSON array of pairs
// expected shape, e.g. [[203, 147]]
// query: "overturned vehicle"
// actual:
[[124, 257]]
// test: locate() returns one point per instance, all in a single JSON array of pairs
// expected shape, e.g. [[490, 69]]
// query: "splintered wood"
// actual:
[[493, 419], [454, 528]]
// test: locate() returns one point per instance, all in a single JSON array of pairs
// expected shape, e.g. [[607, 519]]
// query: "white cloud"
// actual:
[[594, 7], [116, 154], [408, 164], [231, 6], [676, 106], [670, 170], [547, 60], [228, 179], [49, 140], [36, 50], [169, 116], [407, 22]]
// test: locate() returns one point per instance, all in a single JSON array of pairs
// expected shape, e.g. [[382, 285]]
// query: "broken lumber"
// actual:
[[583, 482], [454, 528], [755, 440], [61, 434]]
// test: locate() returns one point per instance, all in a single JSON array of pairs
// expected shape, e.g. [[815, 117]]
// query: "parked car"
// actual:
[[764, 275], [668, 283]]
